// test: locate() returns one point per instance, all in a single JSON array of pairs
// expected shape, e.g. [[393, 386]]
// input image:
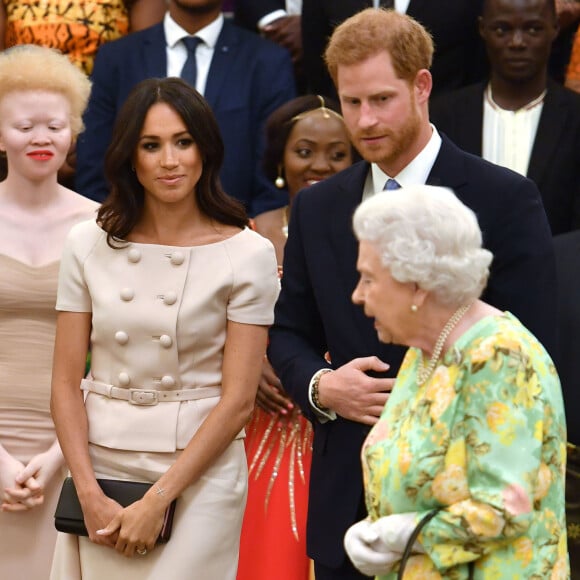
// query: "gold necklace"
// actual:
[[424, 372]]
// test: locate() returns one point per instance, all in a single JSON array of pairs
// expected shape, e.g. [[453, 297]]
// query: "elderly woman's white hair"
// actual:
[[425, 235]]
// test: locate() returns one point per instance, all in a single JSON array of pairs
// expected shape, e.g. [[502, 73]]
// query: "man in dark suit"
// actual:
[[379, 61], [459, 58], [279, 21], [520, 118], [242, 76]]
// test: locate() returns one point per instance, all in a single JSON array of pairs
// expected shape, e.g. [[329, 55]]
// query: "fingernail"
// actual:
[[290, 406], [283, 411], [100, 532]]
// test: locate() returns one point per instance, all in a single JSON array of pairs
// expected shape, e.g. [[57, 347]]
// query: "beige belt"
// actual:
[[149, 396]]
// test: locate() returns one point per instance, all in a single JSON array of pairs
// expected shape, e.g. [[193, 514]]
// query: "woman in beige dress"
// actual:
[[42, 97], [175, 294]]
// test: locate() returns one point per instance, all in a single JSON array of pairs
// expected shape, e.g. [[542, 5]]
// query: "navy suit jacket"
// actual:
[[567, 250], [249, 78], [315, 314], [554, 162], [459, 57]]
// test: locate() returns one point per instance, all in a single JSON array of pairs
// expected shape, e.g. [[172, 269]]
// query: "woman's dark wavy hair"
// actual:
[[123, 207], [279, 125]]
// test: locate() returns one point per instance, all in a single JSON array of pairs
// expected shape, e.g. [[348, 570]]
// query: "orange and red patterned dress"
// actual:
[[273, 540]]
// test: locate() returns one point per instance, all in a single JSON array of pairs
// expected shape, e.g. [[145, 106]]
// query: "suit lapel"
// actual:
[[550, 127], [448, 169], [470, 119], [348, 197], [155, 53], [472, 125], [221, 62]]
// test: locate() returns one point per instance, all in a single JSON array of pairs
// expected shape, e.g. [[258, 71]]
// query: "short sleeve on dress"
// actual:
[[73, 294], [256, 285]]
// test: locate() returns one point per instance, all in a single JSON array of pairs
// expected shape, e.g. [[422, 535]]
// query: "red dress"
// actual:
[[273, 542]]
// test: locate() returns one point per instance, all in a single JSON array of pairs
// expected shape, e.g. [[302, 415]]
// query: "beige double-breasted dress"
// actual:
[[159, 328]]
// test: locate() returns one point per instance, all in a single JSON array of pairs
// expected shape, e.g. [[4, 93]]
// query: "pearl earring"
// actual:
[[280, 182], [414, 308]]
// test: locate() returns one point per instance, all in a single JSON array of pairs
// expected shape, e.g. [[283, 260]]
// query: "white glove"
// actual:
[[395, 531], [369, 554]]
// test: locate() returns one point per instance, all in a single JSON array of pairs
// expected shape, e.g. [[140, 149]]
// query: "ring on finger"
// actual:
[[141, 550]]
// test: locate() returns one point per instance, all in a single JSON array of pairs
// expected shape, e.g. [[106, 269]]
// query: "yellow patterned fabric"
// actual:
[[76, 27], [485, 439], [573, 72]]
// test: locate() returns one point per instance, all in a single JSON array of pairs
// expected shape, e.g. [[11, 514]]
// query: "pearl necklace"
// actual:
[[424, 372]]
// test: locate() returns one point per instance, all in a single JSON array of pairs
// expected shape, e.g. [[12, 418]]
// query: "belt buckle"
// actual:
[[143, 397]]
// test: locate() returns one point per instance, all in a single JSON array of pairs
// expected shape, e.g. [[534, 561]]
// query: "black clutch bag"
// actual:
[[68, 517]]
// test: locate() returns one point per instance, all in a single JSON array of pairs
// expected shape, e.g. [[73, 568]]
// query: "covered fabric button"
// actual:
[[166, 341], [127, 294], [177, 258], [167, 381], [170, 298], [124, 379], [134, 255], [121, 337]]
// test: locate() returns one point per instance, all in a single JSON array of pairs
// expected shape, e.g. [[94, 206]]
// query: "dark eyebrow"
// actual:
[[180, 134]]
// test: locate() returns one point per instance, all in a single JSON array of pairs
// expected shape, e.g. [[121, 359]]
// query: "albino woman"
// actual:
[[42, 98]]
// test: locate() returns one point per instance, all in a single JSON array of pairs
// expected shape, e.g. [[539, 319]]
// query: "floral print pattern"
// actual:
[[485, 439]]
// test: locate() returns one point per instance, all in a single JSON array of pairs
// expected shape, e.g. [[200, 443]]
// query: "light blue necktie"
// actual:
[[189, 70], [391, 184]]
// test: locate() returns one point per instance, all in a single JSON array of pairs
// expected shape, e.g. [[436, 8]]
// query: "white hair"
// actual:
[[425, 235]]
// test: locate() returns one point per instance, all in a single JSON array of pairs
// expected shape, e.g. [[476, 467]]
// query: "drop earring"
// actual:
[[280, 182]]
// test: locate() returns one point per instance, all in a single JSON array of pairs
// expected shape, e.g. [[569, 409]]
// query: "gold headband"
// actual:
[[326, 112]]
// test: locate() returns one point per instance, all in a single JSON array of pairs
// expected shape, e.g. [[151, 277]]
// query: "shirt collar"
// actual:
[[531, 105], [415, 172], [209, 34]]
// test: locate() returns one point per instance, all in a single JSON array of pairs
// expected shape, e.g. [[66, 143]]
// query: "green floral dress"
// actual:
[[484, 438]]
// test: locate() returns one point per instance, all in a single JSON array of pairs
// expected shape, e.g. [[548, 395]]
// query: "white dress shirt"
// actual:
[[416, 173], [292, 7], [177, 53]]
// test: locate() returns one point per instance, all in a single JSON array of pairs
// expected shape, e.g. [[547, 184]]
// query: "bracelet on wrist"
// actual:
[[314, 391]]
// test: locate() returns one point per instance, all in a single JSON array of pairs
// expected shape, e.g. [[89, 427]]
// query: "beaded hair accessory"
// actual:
[[326, 112]]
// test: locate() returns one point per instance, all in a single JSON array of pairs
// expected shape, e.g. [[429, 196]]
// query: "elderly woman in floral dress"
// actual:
[[473, 434]]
